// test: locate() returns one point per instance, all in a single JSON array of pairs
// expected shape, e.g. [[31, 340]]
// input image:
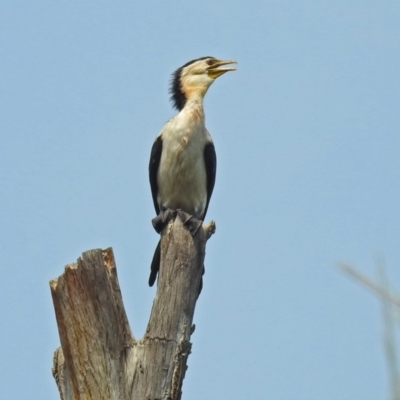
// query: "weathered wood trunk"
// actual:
[[99, 358]]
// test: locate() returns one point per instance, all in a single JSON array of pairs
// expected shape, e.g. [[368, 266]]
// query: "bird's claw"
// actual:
[[191, 223], [162, 219]]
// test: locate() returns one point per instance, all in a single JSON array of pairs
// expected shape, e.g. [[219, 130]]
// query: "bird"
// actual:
[[183, 161]]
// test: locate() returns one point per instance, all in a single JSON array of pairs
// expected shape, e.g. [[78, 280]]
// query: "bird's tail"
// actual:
[[155, 264], [155, 267]]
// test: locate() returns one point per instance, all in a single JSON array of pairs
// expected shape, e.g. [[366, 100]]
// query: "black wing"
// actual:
[[210, 160], [155, 158]]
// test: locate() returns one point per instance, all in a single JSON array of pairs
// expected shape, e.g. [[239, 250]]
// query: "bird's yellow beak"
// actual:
[[214, 72]]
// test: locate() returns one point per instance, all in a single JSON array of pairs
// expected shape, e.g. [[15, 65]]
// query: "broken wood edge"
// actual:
[[209, 228], [91, 321]]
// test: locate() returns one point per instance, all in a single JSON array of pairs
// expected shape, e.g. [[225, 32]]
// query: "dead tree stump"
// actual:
[[99, 358]]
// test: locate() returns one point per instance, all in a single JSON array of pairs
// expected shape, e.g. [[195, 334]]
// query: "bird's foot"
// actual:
[[162, 219], [191, 223]]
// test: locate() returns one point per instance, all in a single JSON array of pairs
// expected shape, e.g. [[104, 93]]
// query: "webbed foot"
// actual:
[[191, 223], [162, 219]]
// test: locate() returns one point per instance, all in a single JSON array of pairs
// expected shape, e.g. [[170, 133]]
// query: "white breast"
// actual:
[[182, 180]]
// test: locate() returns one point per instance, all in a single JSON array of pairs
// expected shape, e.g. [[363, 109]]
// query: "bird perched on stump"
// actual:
[[183, 162]]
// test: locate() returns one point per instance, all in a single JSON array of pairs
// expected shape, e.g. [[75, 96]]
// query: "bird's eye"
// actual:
[[210, 61]]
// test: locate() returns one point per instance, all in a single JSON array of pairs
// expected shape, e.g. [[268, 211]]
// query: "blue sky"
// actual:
[[307, 138]]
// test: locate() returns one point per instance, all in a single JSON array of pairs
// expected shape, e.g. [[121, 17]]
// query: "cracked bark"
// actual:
[[99, 358]]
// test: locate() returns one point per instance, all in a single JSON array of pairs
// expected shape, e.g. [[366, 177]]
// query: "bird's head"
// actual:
[[195, 77]]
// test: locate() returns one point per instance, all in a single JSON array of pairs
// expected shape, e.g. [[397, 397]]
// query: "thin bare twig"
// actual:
[[389, 301], [370, 284]]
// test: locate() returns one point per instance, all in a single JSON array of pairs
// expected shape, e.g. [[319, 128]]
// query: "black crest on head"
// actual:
[[178, 98]]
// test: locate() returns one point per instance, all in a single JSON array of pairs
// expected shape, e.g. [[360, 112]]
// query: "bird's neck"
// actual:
[[194, 109]]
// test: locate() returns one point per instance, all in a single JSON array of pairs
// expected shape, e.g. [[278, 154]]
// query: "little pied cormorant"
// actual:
[[183, 162]]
